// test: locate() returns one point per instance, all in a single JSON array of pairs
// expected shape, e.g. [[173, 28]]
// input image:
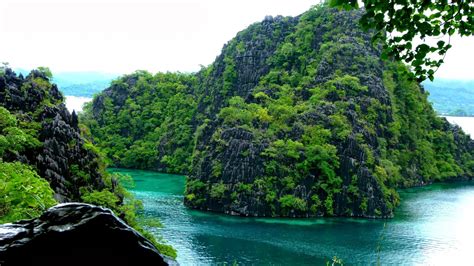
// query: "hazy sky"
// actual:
[[121, 36]]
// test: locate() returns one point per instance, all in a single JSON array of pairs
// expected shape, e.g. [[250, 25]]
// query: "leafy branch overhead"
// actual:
[[400, 23]]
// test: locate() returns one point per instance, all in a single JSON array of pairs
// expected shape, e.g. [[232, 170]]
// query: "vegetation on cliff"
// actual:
[[44, 158], [297, 117], [144, 121]]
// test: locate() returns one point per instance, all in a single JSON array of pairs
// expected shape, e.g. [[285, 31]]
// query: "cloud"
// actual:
[[125, 35]]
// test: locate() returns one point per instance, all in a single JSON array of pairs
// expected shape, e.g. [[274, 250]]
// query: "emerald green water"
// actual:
[[433, 226]]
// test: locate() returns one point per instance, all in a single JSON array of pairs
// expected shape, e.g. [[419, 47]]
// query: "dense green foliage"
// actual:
[[146, 121], [23, 194], [424, 147], [296, 117], [400, 23], [14, 137]]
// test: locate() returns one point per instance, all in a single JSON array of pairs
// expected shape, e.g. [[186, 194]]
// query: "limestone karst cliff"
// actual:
[[62, 156], [46, 158]]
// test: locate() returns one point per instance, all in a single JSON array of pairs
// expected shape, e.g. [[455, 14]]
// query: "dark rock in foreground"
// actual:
[[76, 234]]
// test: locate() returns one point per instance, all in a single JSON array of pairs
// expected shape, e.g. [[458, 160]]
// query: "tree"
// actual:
[[400, 23], [46, 71], [3, 67]]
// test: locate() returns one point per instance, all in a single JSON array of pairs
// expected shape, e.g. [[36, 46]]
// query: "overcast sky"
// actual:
[[120, 36]]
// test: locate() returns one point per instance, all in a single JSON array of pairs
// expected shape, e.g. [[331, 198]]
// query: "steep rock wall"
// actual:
[[63, 157]]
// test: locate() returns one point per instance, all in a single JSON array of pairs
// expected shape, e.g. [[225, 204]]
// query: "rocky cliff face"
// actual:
[[41, 141], [63, 158], [325, 128], [76, 234], [300, 117]]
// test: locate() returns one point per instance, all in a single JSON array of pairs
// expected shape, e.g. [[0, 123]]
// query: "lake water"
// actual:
[[433, 226], [76, 102], [466, 123]]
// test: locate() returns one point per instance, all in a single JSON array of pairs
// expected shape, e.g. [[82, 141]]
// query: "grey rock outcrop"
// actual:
[[76, 234]]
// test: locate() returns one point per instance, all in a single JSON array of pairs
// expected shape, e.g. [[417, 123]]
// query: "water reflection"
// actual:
[[432, 226]]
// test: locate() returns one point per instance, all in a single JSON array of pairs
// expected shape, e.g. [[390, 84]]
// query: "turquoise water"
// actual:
[[433, 226]]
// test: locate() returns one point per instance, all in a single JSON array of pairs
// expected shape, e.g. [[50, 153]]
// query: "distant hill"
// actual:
[[85, 89], [80, 84], [452, 97]]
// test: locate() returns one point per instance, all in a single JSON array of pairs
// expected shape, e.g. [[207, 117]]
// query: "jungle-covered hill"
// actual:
[[298, 116]]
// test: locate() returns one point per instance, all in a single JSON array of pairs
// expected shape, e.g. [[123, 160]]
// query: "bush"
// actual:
[[290, 202], [24, 195], [125, 206], [218, 190]]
